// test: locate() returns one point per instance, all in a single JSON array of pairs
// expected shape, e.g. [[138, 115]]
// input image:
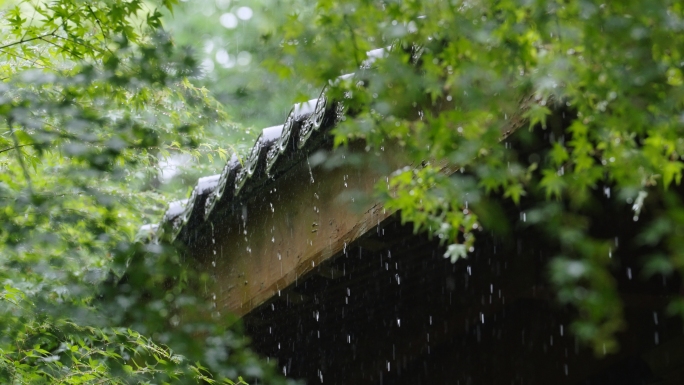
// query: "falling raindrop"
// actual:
[[398, 322]]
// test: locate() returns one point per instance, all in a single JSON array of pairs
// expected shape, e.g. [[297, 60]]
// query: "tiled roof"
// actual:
[[276, 149]]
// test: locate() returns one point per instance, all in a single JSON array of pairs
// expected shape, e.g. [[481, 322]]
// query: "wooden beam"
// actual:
[[304, 217]]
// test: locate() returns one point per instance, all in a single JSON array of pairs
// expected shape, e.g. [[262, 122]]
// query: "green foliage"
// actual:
[[93, 95], [237, 46], [457, 77]]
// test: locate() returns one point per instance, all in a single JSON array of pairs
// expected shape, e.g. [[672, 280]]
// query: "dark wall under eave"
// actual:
[[393, 311], [390, 310]]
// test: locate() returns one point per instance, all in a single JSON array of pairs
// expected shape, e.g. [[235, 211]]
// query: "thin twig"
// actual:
[[10, 124], [353, 37], [25, 40], [12, 148], [53, 33]]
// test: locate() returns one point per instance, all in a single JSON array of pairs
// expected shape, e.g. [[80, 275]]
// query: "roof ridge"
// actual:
[[272, 145]]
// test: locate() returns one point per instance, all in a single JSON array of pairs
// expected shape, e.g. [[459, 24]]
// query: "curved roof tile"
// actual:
[[276, 148]]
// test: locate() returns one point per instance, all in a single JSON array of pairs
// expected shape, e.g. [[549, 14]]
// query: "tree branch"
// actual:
[[25, 40], [10, 124], [14, 147], [353, 37]]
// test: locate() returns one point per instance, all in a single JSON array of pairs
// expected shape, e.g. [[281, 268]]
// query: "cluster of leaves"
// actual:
[[93, 93], [232, 39], [457, 77]]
